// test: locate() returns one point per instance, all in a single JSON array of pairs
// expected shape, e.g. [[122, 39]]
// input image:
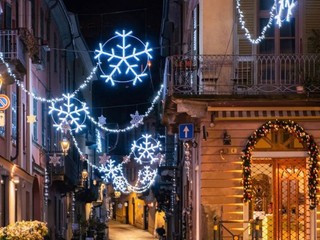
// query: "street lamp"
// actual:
[[65, 145], [84, 174]]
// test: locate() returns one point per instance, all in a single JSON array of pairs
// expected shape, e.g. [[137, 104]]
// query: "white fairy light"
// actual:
[[69, 113], [42, 99], [265, 28], [133, 124], [126, 57], [277, 11]]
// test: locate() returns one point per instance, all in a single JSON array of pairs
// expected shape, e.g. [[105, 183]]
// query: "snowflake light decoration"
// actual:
[[136, 119], [111, 170], [147, 175], [123, 57], [146, 149], [104, 159], [120, 184], [102, 120], [54, 160], [73, 112]]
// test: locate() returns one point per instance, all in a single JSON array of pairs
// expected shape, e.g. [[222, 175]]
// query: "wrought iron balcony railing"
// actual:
[[251, 74], [64, 174], [12, 47]]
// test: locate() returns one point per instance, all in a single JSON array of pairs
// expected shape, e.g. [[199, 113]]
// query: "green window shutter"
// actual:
[[312, 20], [248, 7]]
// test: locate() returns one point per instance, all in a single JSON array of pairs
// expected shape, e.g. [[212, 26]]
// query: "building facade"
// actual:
[[42, 57], [243, 76]]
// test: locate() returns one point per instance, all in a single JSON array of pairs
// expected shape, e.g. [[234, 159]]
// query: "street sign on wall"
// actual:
[[186, 131], [4, 102]]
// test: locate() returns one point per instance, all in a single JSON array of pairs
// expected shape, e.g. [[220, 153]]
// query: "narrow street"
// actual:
[[119, 231]]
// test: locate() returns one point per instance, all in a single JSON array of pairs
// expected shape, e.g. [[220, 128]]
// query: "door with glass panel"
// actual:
[[279, 198]]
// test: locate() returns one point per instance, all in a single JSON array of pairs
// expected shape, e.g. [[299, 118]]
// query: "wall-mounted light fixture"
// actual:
[[117, 194], [226, 138], [212, 124], [84, 174], [65, 145]]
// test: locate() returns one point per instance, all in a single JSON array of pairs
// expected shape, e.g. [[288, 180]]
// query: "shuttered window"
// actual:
[[279, 40]]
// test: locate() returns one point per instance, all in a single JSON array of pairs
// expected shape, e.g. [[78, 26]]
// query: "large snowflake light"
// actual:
[[125, 63], [147, 175], [111, 170], [146, 149], [72, 113]]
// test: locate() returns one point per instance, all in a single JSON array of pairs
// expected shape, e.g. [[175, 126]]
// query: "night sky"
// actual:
[[99, 19]]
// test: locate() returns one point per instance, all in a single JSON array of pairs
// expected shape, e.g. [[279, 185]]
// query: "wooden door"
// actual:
[[292, 215]]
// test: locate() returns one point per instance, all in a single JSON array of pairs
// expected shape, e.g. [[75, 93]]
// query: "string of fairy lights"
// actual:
[[69, 113], [277, 12]]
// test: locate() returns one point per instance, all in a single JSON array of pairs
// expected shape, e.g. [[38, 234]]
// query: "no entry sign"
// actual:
[[4, 102]]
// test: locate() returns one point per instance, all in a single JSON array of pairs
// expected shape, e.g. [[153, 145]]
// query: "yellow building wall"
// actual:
[[216, 24]]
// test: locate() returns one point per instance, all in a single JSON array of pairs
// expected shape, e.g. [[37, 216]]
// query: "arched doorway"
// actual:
[[279, 179]]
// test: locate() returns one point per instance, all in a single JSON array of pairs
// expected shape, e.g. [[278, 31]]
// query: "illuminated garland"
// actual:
[[264, 29], [114, 172], [133, 123], [299, 132], [41, 99], [68, 116], [276, 12], [124, 56]]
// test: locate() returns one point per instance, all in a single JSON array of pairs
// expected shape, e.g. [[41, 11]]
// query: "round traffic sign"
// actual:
[[4, 102]]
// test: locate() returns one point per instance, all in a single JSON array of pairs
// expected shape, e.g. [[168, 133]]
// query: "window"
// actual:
[[279, 40], [14, 122], [44, 124], [35, 124]]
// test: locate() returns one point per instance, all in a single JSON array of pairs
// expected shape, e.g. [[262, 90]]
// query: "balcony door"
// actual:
[[272, 69]]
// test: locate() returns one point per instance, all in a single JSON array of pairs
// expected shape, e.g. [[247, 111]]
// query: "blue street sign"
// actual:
[[186, 131]]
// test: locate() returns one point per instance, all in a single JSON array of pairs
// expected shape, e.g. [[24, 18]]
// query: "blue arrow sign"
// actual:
[[186, 131]]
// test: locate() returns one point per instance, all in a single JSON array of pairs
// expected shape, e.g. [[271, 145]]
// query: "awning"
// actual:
[[253, 113]]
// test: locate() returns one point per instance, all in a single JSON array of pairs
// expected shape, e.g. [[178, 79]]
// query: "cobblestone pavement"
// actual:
[[119, 231]]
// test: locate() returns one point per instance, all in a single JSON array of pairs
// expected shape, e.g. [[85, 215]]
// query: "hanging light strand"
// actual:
[[265, 28], [132, 126]]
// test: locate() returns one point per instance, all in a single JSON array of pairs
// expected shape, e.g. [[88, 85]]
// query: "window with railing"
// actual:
[[279, 40]]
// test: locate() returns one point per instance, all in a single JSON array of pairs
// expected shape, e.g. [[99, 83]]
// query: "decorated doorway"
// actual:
[[279, 176]]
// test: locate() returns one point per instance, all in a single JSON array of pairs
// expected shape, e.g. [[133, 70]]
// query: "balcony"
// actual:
[[226, 75], [64, 175], [13, 48]]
